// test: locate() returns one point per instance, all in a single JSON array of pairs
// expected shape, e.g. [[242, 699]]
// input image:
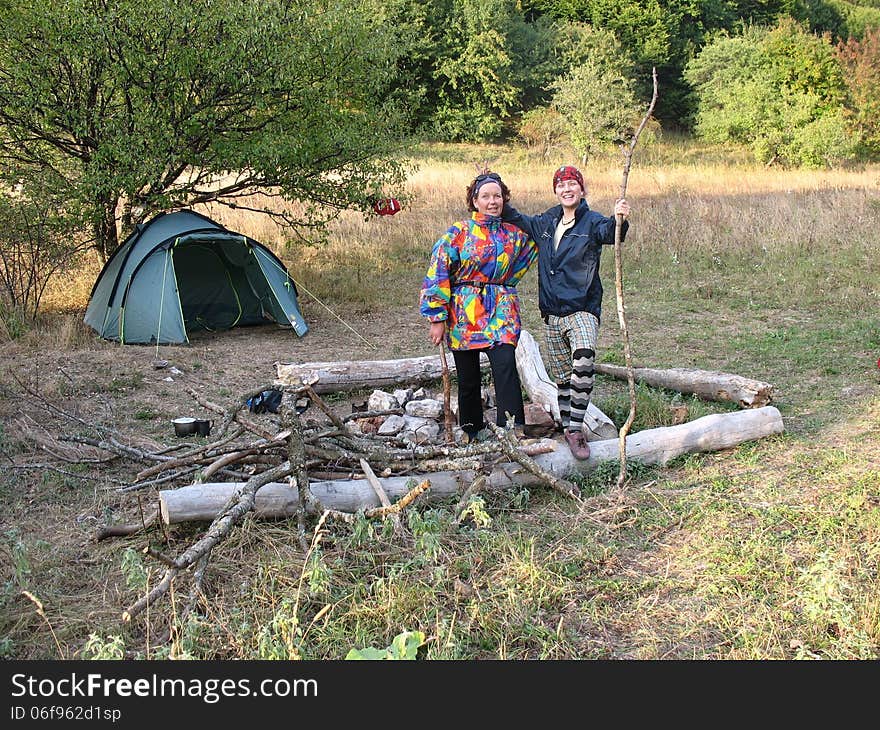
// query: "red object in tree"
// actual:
[[388, 206]]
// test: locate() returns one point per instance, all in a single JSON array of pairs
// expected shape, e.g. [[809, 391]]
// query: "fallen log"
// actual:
[[705, 384], [541, 389], [333, 377], [715, 432]]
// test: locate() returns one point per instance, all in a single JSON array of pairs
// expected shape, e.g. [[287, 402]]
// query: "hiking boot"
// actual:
[[577, 442]]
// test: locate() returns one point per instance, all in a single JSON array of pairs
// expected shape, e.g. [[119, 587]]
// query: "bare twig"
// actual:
[[472, 490], [380, 492], [372, 414], [448, 419], [243, 504], [69, 416], [401, 504], [232, 414], [190, 456], [124, 530], [297, 455]]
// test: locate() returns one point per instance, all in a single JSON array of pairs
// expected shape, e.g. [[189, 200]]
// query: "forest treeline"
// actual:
[[797, 80]]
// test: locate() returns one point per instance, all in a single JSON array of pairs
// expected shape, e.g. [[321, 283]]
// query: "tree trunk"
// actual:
[[106, 240], [706, 384], [651, 446]]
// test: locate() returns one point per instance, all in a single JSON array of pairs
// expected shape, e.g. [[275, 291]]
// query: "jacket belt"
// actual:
[[488, 303]]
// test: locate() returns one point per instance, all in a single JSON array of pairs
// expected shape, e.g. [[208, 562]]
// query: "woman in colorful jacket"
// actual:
[[469, 296]]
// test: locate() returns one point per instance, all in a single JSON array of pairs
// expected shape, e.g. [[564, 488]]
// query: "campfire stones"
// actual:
[[403, 396], [427, 408], [392, 426], [420, 424], [381, 401]]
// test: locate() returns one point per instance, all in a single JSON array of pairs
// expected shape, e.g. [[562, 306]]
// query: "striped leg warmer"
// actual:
[[581, 386]]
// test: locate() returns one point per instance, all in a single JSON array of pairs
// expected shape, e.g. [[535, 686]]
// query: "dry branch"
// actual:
[[448, 418], [240, 503], [618, 279], [405, 501], [509, 444], [124, 530], [471, 491], [192, 456], [380, 492]]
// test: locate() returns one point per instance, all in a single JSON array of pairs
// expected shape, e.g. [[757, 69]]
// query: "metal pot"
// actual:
[[184, 426]]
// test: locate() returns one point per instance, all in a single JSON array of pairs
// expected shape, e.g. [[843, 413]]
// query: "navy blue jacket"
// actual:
[[568, 278]]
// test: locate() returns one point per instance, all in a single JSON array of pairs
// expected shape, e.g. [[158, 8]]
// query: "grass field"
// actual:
[[767, 551]]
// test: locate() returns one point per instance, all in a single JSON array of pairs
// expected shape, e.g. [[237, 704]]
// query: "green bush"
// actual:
[[779, 90]]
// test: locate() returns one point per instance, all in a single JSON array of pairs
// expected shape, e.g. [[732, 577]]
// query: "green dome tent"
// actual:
[[181, 272]]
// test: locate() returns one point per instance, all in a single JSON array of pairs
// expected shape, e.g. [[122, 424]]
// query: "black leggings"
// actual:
[[508, 391]]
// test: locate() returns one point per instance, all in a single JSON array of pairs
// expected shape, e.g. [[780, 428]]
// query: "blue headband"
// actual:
[[481, 180]]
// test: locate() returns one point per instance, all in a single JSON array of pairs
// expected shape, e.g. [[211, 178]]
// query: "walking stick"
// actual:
[[448, 421], [618, 280]]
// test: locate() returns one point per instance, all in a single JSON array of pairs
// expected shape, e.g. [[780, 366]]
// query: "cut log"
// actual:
[[705, 384], [541, 389], [349, 375], [652, 446]]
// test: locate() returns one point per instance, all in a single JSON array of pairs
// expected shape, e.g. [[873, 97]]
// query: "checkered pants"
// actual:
[[571, 352]]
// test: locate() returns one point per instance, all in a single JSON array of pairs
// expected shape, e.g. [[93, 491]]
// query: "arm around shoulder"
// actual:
[[529, 223]]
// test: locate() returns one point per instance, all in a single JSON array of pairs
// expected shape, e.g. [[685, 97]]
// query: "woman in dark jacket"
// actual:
[[570, 237]]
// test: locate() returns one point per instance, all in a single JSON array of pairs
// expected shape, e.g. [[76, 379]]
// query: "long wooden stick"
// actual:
[[448, 420], [618, 278]]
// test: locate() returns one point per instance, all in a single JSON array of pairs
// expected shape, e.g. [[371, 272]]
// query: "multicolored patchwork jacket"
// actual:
[[471, 282]]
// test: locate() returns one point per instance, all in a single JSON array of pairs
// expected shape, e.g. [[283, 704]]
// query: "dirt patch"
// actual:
[[119, 386]]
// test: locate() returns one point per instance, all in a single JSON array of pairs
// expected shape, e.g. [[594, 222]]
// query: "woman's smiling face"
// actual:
[[489, 199], [569, 193]]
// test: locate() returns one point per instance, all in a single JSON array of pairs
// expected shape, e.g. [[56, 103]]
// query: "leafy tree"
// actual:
[[425, 26], [135, 106], [478, 70], [667, 34], [860, 16], [639, 25], [662, 34], [543, 128], [37, 240], [779, 90], [763, 12], [596, 100], [861, 63], [535, 49]]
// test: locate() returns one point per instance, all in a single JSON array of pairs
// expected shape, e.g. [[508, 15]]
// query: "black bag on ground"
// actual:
[[267, 401]]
